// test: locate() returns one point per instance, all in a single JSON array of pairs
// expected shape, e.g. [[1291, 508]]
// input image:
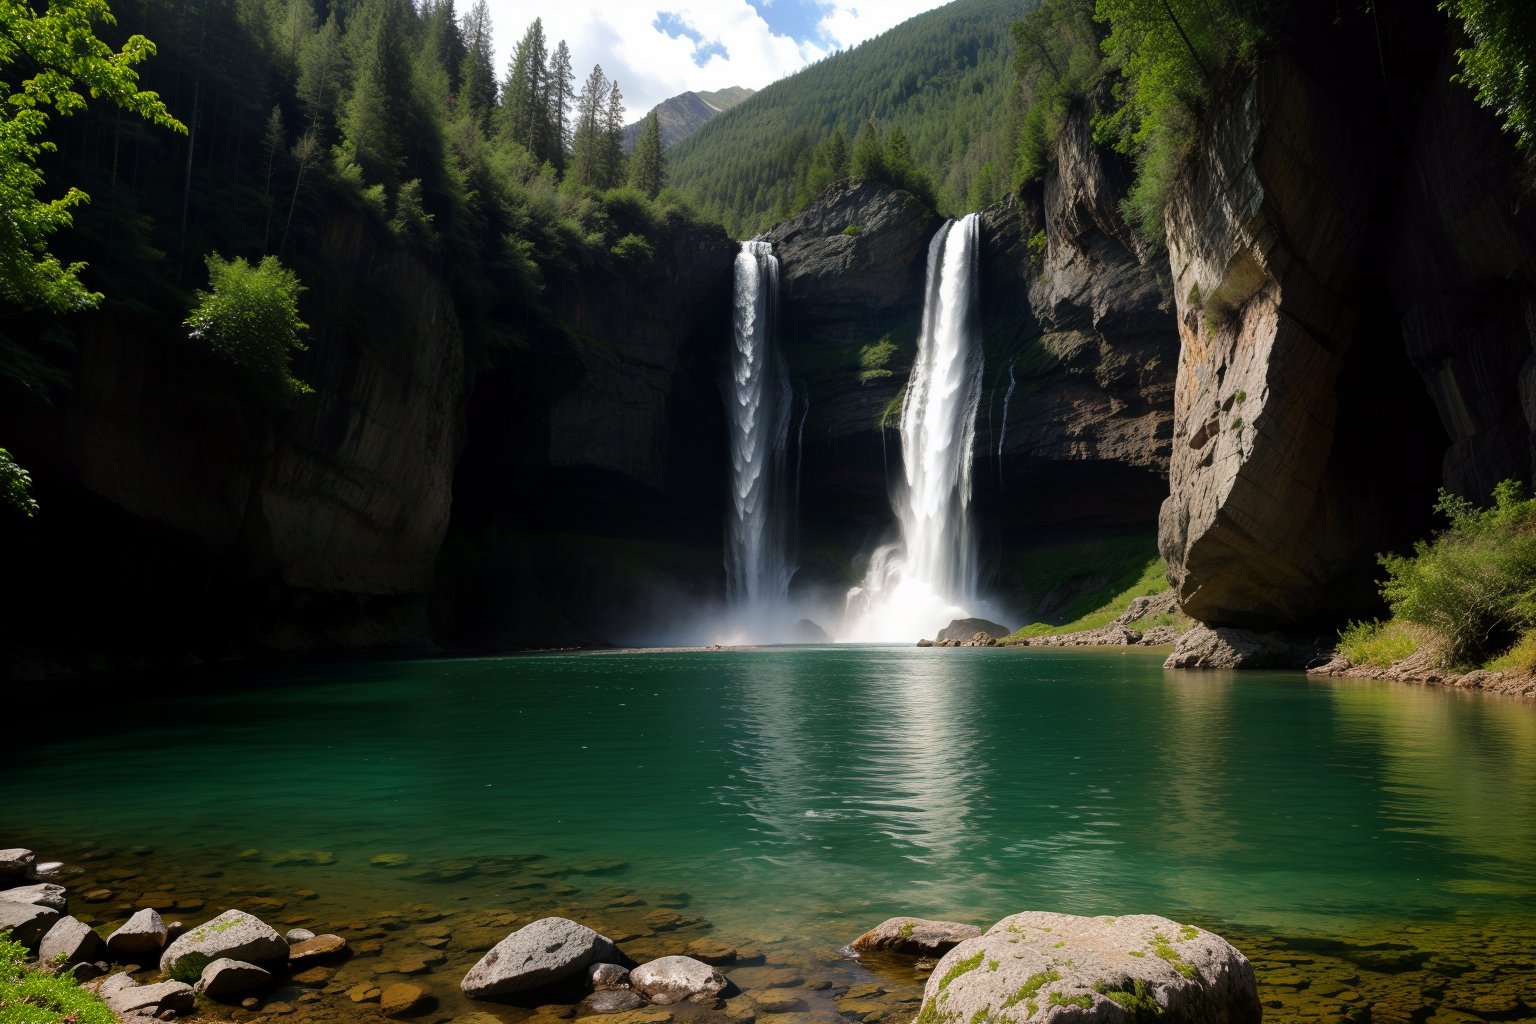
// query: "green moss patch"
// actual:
[[1032, 985], [965, 966]]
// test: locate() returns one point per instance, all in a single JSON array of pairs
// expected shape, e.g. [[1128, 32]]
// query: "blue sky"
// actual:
[[659, 48]]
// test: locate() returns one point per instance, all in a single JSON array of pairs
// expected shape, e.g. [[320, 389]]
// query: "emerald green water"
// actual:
[[804, 794]]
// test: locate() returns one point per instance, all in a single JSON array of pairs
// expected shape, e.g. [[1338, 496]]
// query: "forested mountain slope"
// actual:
[[943, 78]]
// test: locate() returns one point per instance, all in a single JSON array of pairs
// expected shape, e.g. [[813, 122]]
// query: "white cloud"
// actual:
[[650, 65]]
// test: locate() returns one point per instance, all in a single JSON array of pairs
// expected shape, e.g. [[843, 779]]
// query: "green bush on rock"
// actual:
[[37, 994], [250, 316], [1474, 584]]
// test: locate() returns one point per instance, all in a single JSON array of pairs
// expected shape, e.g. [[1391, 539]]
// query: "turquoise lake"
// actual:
[[801, 795]]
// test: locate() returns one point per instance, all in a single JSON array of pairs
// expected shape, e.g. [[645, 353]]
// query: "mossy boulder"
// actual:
[[1041, 967], [233, 934]]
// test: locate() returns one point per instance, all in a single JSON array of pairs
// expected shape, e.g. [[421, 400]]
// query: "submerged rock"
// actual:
[[1045, 967], [548, 950], [673, 979], [609, 1000], [233, 934], [140, 940], [914, 936], [402, 1000]]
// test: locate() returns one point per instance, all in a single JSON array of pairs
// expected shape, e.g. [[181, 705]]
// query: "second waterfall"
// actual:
[[915, 586]]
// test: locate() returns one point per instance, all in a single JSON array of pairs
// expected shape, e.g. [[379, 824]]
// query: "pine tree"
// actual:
[[868, 158], [588, 144], [527, 93], [478, 75], [562, 89], [444, 43], [646, 172], [613, 137], [375, 115]]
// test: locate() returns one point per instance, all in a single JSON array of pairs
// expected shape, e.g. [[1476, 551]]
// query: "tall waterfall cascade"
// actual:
[[759, 402], [914, 587]]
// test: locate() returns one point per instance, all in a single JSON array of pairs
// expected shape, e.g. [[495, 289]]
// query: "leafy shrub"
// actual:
[[632, 249], [1497, 64], [853, 230], [250, 317], [16, 486], [1036, 245], [875, 359], [1376, 643], [40, 995], [1475, 583], [189, 968]]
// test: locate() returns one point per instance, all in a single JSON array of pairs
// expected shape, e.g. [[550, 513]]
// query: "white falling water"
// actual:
[[913, 588], [758, 400]]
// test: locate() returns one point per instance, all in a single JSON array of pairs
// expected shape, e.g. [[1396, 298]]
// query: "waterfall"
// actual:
[[1002, 431], [913, 588], [758, 407]]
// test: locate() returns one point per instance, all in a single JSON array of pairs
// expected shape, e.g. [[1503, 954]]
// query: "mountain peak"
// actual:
[[682, 115]]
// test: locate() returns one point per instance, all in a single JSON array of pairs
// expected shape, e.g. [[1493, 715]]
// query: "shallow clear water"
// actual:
[[811, 792]]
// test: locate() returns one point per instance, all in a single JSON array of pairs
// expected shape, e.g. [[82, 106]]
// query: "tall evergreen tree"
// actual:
[[562, 90], [444, 43], [868, 158], [589, 142], [646, 172], [376, 114], [613, 137], [527, 93], [478, 76]]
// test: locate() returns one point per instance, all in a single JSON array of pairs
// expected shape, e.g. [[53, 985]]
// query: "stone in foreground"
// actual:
[[1041, 967], [226, 979], [128, 1000], [402, 1000], [17, 865], [233, 934], [541, 953], [71, 942], [672, 979], [42, 894], [27, 922], [914, 936], [139, 940]]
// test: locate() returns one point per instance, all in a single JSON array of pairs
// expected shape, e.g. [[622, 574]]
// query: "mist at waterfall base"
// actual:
[[916, 585]]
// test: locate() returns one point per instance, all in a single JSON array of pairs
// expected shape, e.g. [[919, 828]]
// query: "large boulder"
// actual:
[[17, 865], [673, 979], [1042, 967], [541, 953], [966, 629], [140, 940], [43, 894], [233, 934], [1225, 647], [71, 939], [225, 979], [27, 922], [914, 936]]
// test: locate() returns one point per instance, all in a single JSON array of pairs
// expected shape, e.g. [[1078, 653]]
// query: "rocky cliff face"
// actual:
[[201, 519], [1079, 324], [591, 498], [1353, 306]]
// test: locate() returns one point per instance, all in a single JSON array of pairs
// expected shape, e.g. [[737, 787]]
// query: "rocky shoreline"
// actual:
[[1419, 669], [236, 966]]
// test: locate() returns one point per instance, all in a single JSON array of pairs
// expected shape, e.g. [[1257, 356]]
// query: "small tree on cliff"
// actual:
[[250, 317], [645, 167]]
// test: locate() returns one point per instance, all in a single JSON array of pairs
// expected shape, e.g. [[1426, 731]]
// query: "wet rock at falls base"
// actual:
[[966, 629], [914, 936], [1226, 647], [42, 894], [1047, 967], [546, 951]]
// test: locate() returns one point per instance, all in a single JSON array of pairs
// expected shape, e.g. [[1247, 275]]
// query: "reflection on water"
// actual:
[[809, 793]]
